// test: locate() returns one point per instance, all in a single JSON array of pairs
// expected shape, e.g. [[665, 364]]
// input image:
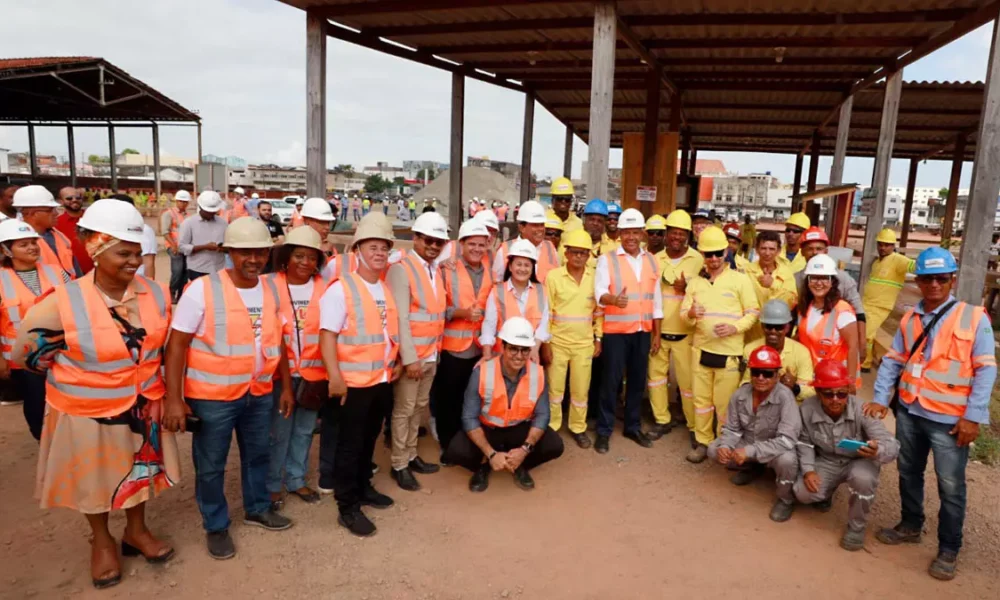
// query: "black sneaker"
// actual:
[[659, 430], [602, 445], [357, 523], [418, 465], [269, 520], [371, 497], [480, 479], [405, 479], [900, 534], [220, 545], [523, 479]]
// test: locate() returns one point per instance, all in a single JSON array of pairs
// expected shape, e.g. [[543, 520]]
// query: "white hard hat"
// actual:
[[34, 196], [182, 196], [118, 219], [531, 212], [821, 264], [15, 229], [255, 196], [210, 201], [239, 191], [471, 228], [488, 218], [517, 331], [247, 232], [432, 225], [300, 201], [317, 208], [522, 247], [631, 218]]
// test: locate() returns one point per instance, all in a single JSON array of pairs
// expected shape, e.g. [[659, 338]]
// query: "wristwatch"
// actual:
[[528, 447], [492, 454]]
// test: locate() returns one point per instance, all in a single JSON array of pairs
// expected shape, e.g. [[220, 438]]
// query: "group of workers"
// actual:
[[494, 339]]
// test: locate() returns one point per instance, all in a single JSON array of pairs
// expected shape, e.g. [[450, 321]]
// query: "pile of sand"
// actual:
[[476, 182]]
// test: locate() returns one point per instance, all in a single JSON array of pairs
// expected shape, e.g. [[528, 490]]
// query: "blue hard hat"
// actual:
[[596, 207], [702, 213], [614, 208], [935, 260]]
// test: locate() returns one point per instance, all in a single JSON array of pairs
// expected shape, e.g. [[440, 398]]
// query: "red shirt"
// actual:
[[66, 223]]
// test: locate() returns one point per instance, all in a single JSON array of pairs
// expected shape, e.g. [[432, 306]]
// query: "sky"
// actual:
[[241, 65]]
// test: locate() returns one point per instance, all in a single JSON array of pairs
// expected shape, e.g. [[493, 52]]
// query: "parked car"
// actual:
[[284, 208]]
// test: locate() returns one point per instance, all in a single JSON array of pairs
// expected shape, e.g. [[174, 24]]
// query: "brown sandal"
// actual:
[[100, 558], [162, 553]]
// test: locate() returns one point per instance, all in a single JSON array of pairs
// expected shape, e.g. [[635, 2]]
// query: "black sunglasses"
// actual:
[[73, 198], [837, 395], [433, 241], [715, 254], [656, 232], [765, 373], [793, 230], [769, 327], [938, 279]]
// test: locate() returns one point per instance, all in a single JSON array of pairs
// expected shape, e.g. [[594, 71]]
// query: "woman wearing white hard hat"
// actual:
[[23, 279], [318, 214], [520, 294], [100, 339], [38, 209], [530, 226], [826, 322]]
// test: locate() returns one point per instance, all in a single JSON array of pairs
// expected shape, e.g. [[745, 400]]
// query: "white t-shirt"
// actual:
[[301, 295], [333, 311], [814, 316], [149, 246], [189, 316]]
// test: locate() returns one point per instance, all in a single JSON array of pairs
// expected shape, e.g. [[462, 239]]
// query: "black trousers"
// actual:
[[192, 275], [31, 388], [461, 450], [360, 423], [329, 417], [448, 394]]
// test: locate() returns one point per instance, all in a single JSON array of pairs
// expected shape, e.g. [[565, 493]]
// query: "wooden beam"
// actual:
[[526, 138], [951, 204], [568, 154], [674, 122], [813, 162], [111, 158], [840, 153], [403, 6], [602, 93], [685, 151], [693, 161], [797, 183], [637, 46], [964, 134], [651, 133], [782, 108], [156, 162], [847, 75], [911, 185], [541, 62], [315, 105], [32, 152], [457, 145]]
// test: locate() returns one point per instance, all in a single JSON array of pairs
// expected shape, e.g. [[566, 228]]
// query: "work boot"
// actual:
[[602, 445], [371, 497], [480, 479], [853, 539], [781, 511], [523, 479], [220, 545], [866, 369], [268, 520], [582, 440], [357, 523], [744, 476], [698, 455], [943, 567], [404, 477], [659, 430], [417, 465], [639, 438], [900, 534], [823, 506]]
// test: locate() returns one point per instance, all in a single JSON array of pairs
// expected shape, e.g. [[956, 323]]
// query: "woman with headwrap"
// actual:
[[100, 338]]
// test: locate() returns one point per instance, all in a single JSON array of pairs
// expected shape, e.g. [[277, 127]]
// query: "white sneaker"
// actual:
[[11, 402], [324, 491]]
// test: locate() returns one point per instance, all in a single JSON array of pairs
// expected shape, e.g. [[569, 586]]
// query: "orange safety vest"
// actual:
[[497, 409], [239, 209], [338, 265], [62, 257], [638, 315], [220, 361], [548, 258], [170, 236], [459, 334], [426, 313], [507, 307], [96, 375], [820, 339], [15, 300], [297, 219], [941, 381], [309, 365], [361, 344]]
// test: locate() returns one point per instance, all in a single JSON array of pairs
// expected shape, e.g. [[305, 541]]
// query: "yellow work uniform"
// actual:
[[888, 275], [748, 237], [570, 224], [671, 348], [604, 246], [795, 359], [575, 322], [730, 299], [796, 264], [782, 288]]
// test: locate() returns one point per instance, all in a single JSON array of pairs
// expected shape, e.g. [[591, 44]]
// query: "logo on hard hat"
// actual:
[[523, 336], [24, 228], [934, 262], [135, 228]]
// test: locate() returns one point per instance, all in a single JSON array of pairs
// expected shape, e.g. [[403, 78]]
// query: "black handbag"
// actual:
[[916, 345]]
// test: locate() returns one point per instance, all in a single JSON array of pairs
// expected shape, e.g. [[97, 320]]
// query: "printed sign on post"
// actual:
[[645, 193]]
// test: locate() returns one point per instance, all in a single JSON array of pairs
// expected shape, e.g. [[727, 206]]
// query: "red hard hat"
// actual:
[[831, 374], [765, 357], [732, 230], [815, 234]]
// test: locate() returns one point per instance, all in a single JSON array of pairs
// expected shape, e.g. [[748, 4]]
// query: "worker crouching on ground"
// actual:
[[828, 419], [517, 294], [577, 327], [225, 349], [722, 307], [944, 380], [531, 227], [418, 290], [762, 427], [796, 363], [506, 414], [99, 338], [359, 339], [826, 322], [888, 275], [627, 286]]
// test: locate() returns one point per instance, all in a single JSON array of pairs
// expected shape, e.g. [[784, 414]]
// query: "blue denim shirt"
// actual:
[[984, 376]]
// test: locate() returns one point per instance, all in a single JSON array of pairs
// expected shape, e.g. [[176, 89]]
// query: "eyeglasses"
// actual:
[[765, 373], [433, 241], [819, 279], [794, 230], [715, 254], [769, 327], [938, 279], [842, 395], [656, 232], [519, 350]]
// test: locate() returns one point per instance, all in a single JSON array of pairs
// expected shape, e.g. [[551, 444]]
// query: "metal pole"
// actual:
[[32, 152], [529, 128], [315, 105], [568, 154], [602, 91], [947, 225], [111, 158], [911, 184], [840, 151], [71, 146], [156, 162], [685, 152], [457, 143]]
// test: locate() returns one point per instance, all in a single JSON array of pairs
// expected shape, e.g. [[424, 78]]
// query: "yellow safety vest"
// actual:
[[731, 300], [575, 318], [888, 275]]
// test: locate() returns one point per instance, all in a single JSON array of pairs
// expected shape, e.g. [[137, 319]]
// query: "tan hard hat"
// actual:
[[373, 226], [247, 232], [304, 236]]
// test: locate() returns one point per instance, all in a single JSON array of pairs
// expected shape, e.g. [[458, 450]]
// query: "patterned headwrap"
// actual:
[[100, 242]]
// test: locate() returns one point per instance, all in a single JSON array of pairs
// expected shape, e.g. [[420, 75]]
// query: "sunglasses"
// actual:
[[73, 198], [656, 232], [938, 279], [768, 327], [434, 241], [519, 350], [819, 279], [794, 230], [765, 373], [715, 254], [837, 395]]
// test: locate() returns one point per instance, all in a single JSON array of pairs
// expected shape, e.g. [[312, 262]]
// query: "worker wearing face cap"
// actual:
[[171, 220]]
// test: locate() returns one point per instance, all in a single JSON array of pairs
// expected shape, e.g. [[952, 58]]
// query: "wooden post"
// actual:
[[32, 152], [982, 206], [457, 139], [602, 91], [813, 162], [685, 152], [675, 112], [315, 105], [693, 162], [911, 184], [797, 183], [880, 177], [947, 224], [529, 127], [156, 161], [111, 158], [840, 151], [71, 146], [568, 154], [651, 133]]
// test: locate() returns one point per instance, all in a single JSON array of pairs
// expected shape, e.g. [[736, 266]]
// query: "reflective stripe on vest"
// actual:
[[426, 310], [361, 344], [309, 363], [460, 334], [940, 378], [534, 307], [17, 298], [62, 257], [497, 409], [638, 315]]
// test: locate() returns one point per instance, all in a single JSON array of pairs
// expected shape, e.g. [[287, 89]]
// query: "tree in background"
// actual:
[[429, 173], [130, 151], [95, 159], [943, 193], [345, 170], [375, 184]]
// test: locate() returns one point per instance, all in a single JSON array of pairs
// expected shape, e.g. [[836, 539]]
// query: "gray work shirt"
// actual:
[[767, 433], [820, 434], [476, 275], [847, 286], [472, 404], [196, 231]]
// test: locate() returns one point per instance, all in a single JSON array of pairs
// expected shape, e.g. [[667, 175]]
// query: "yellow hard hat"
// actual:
[[562, 187], [799, 219], [712, 240], [247, 232], [553, 222], [656, 223], [578, 239], [304, 236], [679, 219], [886, 236]]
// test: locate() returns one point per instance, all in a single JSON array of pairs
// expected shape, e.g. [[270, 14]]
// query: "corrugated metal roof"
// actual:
[[42, 61]]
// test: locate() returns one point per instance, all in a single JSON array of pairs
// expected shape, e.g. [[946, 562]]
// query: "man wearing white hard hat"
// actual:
[[531, 227], [317, 214], [252, 204], [627, 285], [505, 414], [200, 238], [171, 220], [297, 220], [38, 206], [417, 286], [239, 205]]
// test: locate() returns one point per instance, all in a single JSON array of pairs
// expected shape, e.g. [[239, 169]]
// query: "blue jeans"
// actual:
[[290, 442], [917, 437], [250, 417], [626, 355]]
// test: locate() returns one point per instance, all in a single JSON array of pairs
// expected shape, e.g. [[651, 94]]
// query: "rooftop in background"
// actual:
[[707, 166], [80, 88]]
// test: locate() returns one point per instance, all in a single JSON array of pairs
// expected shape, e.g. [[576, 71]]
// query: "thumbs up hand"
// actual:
[[766, 280], [680, 284], [621, 300], [696, 311]]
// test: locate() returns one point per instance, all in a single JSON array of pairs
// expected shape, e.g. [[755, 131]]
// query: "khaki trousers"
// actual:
[[410, 400]]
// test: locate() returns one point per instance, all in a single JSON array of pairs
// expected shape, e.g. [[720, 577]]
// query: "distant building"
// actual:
[[234, 162], [413, 167], [386, 171], [273, 177], [510, 171], [742, 194], [778, 205]]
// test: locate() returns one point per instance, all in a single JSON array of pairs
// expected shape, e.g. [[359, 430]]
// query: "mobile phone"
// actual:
[[192, 424], [852, 445]]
